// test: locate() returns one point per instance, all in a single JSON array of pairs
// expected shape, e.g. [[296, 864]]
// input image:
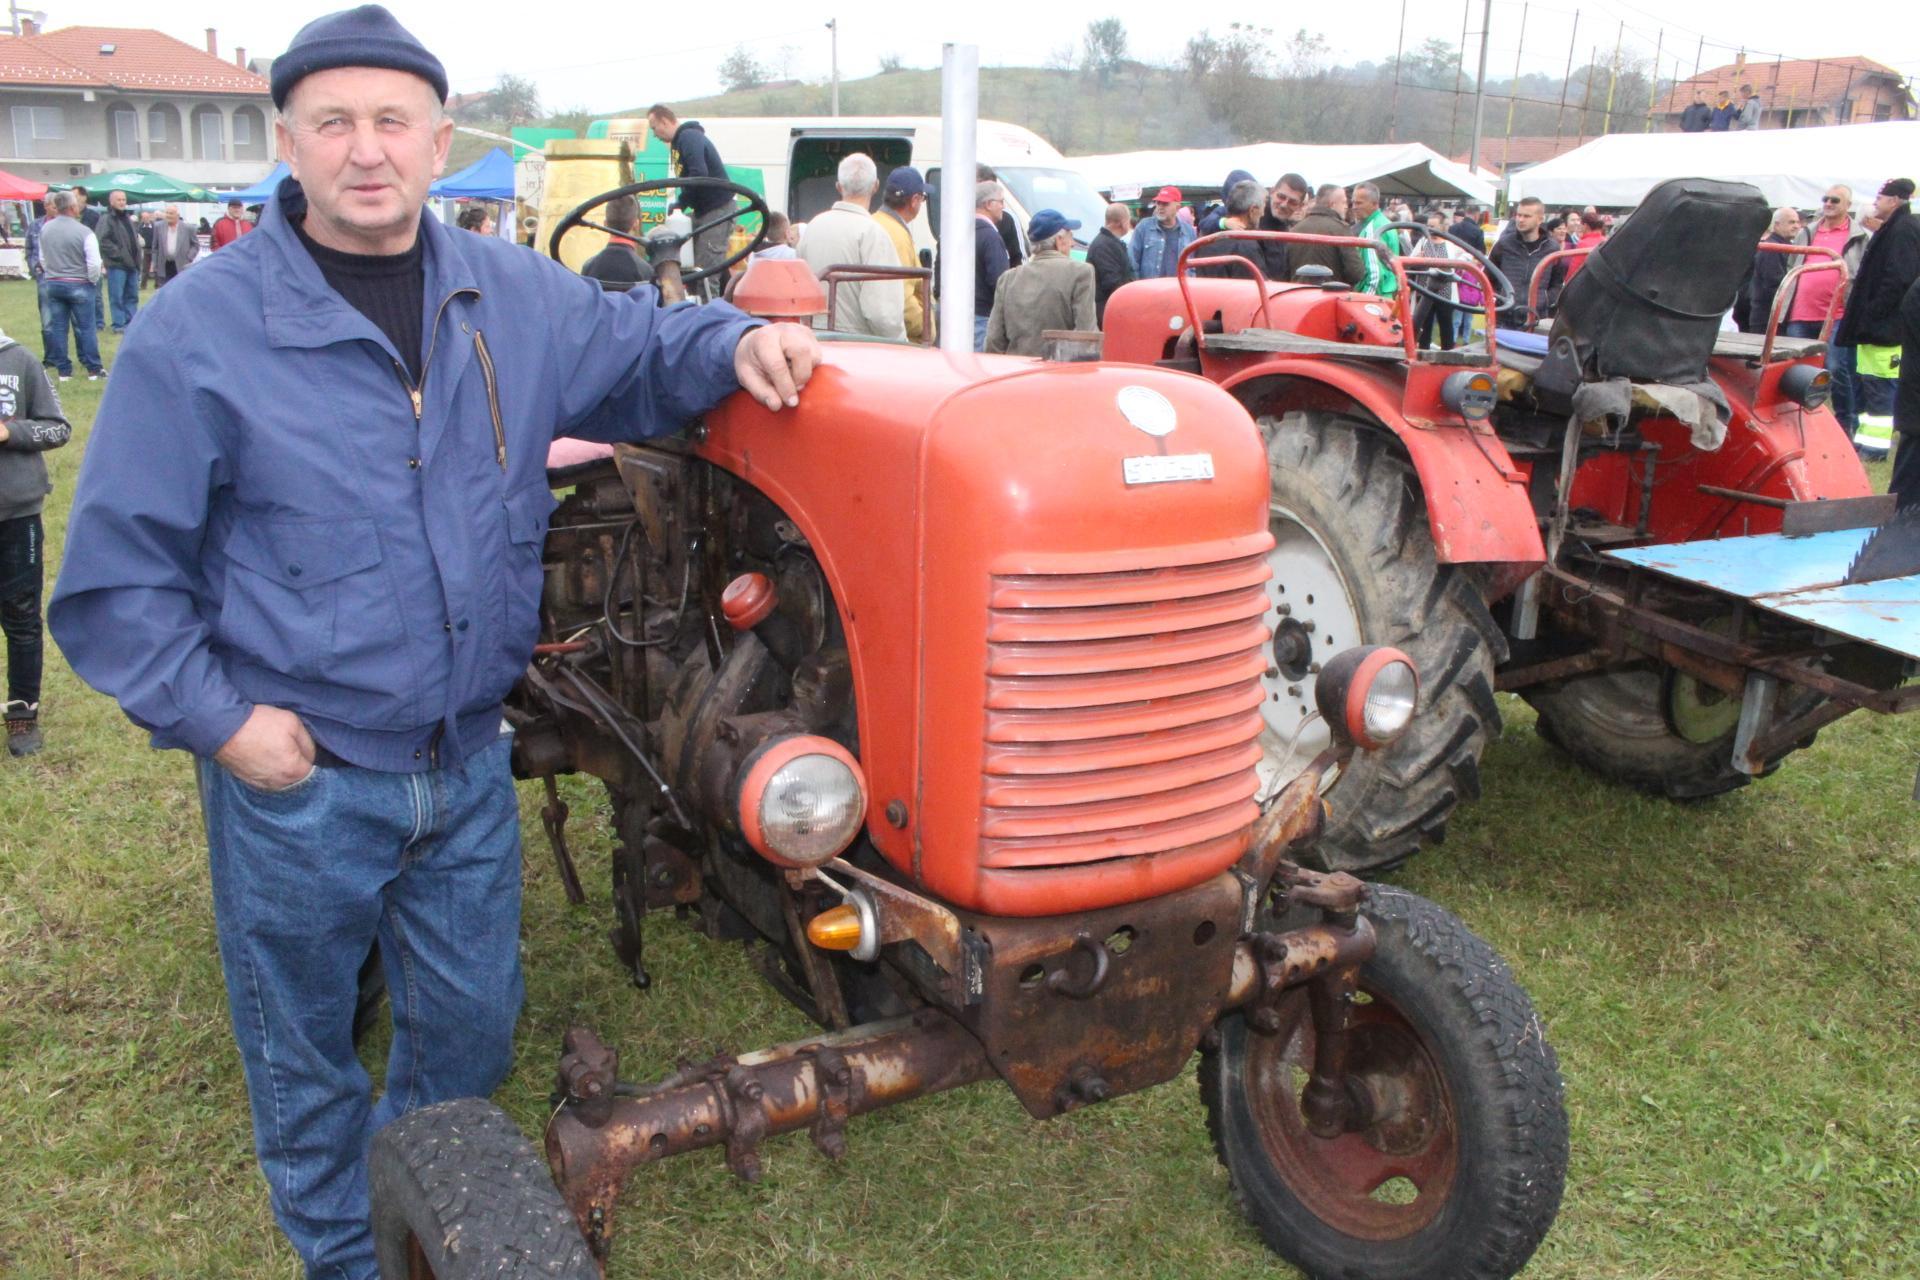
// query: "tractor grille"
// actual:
[[1123, 712]]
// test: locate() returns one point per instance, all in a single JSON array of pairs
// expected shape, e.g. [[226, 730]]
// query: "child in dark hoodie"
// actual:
[[31, 422]]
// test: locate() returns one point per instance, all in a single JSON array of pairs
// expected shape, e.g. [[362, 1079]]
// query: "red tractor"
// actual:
[[1591, 516], [944, 689]]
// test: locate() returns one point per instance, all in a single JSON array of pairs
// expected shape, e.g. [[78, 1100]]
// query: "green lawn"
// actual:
[[1733, 987]]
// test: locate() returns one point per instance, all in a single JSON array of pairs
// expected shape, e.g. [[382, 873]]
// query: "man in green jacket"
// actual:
[[1049, 291], [1370, 220]]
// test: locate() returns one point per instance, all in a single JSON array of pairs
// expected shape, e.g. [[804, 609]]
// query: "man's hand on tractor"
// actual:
[[270, 752], [774, 361]]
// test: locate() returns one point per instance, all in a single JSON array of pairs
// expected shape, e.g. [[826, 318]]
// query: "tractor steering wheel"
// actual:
[[1503, 297], [577, 217]]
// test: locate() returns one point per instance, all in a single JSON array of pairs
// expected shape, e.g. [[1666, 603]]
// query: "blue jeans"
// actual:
[[123, 290], [100, 305], [304, 881], [63, 303], [980, 333]]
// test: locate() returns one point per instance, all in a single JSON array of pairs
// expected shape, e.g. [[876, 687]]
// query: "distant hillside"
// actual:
[[1061, 106]]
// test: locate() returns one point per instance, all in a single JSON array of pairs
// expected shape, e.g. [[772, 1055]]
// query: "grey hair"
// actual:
[[1371, 190], [985, 192], [1118, 213], [61, 202], [1246, 197], [858, 176], [1781, 214]]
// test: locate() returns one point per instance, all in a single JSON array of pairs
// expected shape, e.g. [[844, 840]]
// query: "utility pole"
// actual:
[[1399, 51], [1480, 84], [1613, 78], [1565, 80], [1653, 88], [833, 25], [1513, 87]]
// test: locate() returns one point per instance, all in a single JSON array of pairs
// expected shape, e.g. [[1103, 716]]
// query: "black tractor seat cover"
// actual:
[[1648, 303]]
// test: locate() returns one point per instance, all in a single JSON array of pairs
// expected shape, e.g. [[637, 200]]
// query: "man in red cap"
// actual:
[[1156, 243]]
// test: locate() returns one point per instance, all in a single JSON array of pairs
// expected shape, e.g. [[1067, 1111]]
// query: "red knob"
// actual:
[[748, 600]]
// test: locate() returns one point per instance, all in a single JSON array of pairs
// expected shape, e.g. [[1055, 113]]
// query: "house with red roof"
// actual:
[[87, 100], [1800, 93]]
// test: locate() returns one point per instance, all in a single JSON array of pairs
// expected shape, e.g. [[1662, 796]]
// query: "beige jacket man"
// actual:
[[847, 235], [1049, 291]]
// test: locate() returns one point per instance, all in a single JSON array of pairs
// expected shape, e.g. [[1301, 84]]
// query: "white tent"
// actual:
[[1401, 168], [1790, 166]]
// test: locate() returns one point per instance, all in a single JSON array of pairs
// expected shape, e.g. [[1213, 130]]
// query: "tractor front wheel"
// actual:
[[459, 1194], [1456, 1171], [1354, 563]]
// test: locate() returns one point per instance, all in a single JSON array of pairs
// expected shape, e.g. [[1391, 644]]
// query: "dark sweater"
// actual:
[[618, 264], [388, 289], [35, 423]]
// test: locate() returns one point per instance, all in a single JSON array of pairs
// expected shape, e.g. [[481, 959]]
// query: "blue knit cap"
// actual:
[[365, 37]]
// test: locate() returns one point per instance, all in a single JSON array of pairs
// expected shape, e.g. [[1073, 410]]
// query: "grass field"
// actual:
[[1733, 987]]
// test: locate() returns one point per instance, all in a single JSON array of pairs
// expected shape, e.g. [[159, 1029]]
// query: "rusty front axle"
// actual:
[[605, 1130]]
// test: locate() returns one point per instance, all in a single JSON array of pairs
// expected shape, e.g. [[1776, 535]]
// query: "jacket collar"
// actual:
[[301, 310]]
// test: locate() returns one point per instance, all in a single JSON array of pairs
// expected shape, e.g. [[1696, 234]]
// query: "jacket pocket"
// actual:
[[523, 580], [284, 586]]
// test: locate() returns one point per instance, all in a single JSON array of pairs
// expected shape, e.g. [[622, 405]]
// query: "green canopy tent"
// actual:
[[143, 185]]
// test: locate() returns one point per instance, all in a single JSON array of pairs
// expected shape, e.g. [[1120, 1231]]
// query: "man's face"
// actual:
[[914, 205], [1288, 202], [172, 215], [662, 127], [1884, 205], [1165, 210], [365, 143], [235, 209], [993, 208], [1363, 204], [1790, 225], [1338, 201], [117, 200], [1835, 205], [1526, 219]]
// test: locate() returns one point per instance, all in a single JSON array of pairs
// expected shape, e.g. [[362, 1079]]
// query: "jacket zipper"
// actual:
[[493, 397], [414, 389]]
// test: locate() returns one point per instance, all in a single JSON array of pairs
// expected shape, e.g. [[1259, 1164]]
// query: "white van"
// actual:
[[799, 155]]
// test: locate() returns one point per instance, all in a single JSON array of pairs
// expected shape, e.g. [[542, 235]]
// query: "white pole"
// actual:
[[959, 118], [833, 25]]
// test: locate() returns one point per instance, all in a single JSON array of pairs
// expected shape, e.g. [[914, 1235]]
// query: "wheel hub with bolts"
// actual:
[[1313, 619]]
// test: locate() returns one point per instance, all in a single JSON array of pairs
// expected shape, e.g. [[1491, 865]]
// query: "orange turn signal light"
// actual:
[[836, 929]]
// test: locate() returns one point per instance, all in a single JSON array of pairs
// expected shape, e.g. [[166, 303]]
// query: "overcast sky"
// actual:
[[577, 55]]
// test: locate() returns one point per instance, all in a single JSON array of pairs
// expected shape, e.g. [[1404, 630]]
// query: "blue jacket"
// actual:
[[1155, 249], [271, 512]]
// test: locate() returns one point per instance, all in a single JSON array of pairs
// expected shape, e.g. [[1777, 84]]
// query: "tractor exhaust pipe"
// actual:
[[959, 123]]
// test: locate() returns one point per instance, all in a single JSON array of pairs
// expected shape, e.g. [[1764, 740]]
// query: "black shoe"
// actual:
[[23, 728]]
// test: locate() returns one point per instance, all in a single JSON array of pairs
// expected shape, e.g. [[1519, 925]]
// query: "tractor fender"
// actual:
[[1477, 503]]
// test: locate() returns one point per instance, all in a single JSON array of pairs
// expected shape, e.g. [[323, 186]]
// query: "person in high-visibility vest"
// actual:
[[1906, 406], [1875, 369]]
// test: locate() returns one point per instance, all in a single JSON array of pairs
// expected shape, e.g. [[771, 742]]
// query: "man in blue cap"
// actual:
[[307, 549], [1048, 291], [904, 195]]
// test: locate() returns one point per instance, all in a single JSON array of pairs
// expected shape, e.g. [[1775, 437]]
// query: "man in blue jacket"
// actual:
[[1156, 242], [695, 156], [306, 548]]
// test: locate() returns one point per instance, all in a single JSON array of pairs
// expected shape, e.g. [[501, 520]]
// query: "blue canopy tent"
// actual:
[[488, 178], [261, 191]]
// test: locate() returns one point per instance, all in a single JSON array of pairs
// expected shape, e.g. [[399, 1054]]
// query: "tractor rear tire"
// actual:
[[1347, 484], [1462, 1176], [1616, 724], [459, 1194]]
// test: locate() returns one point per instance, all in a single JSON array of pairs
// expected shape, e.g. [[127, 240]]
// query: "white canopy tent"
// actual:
[[1400, 168], [1790, 166]]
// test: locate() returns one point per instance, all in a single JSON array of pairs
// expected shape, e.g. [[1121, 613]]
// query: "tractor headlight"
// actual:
[[1470, 393], [802, 800], [1806, 385], [1368, 695]]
